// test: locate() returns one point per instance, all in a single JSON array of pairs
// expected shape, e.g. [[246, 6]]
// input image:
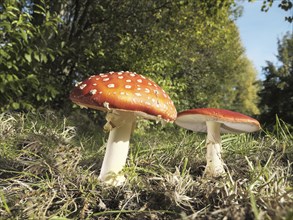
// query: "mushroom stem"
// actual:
[[215, 166], [117, 147]]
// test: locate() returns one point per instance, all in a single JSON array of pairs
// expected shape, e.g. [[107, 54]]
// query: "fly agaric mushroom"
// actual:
[[215, 121], [124, 96]]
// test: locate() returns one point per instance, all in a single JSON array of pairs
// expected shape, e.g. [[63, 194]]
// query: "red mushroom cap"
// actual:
[[231, 122], [126, 91]]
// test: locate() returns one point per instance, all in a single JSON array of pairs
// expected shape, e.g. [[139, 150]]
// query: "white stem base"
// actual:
[[215, 165], [117, 147]]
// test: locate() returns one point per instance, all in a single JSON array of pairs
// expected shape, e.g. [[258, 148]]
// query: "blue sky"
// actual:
[[259, 32]]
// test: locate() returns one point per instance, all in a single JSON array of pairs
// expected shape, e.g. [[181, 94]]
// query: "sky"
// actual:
[[260, 31]]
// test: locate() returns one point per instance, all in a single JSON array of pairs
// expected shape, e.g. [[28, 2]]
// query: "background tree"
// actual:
[[285, 5], [277, 88], [246, 94]]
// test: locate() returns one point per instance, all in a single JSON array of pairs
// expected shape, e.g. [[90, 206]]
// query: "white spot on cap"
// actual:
[[111, 85], [137, 94], [132, 74], [119, 73], [106, 79], [120, 77], [128, 80], [82, 86], [122, 93], [147, 90], [139, 80], [150, 84], [94, 84], [127, 86], [77, 84], [93, 91]]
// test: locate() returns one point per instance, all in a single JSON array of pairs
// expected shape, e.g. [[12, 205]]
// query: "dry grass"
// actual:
[[49, 169]]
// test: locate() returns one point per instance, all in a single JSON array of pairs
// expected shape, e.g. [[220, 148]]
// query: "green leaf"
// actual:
[[41, 10], [52, 57], [38, 97], [28, 57], [15, 105], [44, 58], [37, 56], [24, 35], [4, 54], [12, 14]]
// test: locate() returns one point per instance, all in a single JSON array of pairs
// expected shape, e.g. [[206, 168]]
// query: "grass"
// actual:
[[49, 167]]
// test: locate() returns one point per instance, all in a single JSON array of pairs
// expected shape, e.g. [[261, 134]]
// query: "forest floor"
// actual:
[[49, 168]]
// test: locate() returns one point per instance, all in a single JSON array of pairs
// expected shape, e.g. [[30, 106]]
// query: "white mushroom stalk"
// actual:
[[215, 165], [120, 125]]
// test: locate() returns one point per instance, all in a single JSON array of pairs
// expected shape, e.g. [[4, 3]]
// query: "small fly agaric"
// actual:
[[215, 121], [124, 96]]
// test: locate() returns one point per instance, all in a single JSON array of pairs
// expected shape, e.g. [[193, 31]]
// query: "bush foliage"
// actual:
[[277, 92]]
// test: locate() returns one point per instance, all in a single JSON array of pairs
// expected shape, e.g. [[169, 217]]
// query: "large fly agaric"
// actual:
[[215, 121], [124, 96]]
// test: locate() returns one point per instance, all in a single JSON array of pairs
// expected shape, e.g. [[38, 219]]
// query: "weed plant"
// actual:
[[49, 166]]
